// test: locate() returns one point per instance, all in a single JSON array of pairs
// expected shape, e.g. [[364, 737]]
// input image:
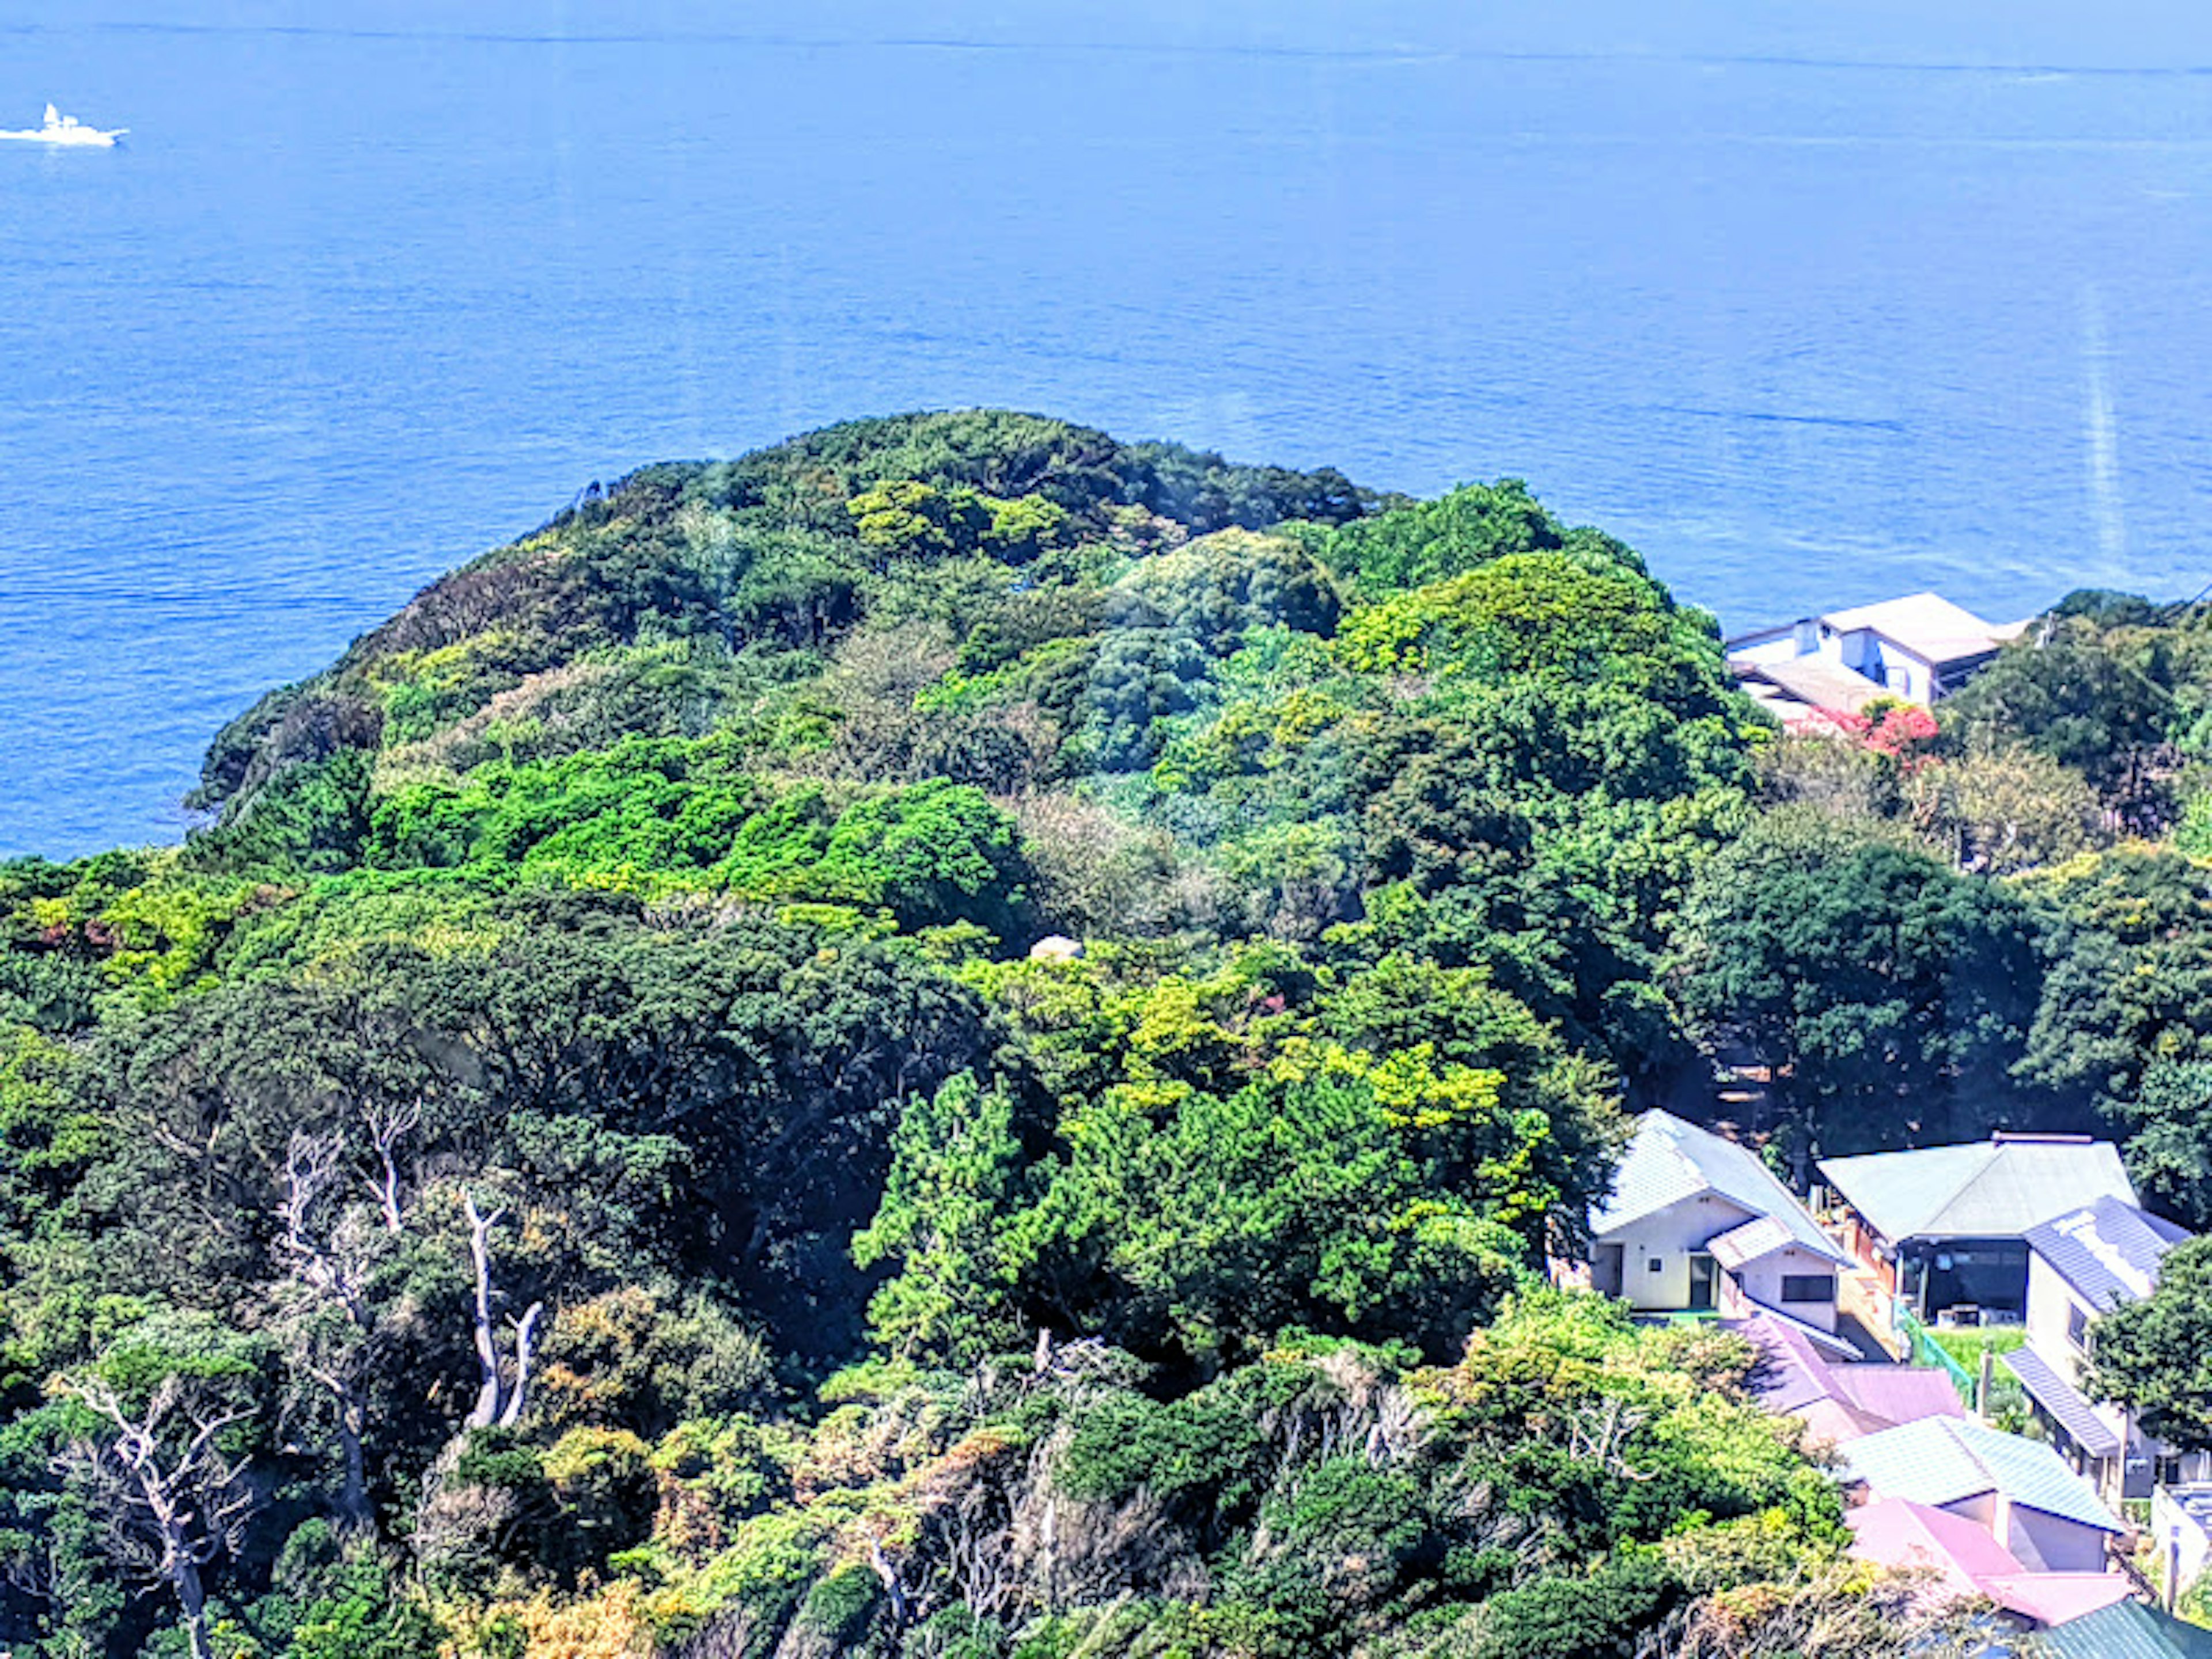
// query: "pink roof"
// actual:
[[2052, 1598], [1841, 1402], [1907, 1536], [1896, 1394], [1829, 1421]]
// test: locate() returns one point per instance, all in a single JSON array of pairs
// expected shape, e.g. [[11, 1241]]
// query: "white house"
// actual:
[[2181, 1527], [1917, 648], [1696, 1222], [2080, 1265]]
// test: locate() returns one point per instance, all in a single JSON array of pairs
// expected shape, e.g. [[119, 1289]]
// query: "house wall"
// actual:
[[1669, 1236], [2050, 1298], [2169, 1523], [1981, 1511], [1761, 1282], [2051, 1301], [1864, 1246], [2051, 1543], [1907, 674]]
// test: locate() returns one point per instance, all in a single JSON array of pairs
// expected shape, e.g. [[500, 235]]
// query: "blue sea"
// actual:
[[1813, 304]]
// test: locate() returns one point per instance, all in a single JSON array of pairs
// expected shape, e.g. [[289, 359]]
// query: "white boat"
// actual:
[[61, 129]]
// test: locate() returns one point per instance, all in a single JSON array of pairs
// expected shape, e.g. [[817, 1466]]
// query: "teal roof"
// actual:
[[1995, 1189], [2126, 1630], [1671, 1159], [1946, 1459]]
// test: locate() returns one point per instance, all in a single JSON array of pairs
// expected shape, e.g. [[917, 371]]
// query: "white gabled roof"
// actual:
[[1763, 1235], [1995, 1189], [1671, 1159], [1928, 625]]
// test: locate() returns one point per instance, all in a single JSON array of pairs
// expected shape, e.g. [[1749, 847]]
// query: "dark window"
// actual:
[[1808, 1287], [2077, 1325], [1658, 1265]]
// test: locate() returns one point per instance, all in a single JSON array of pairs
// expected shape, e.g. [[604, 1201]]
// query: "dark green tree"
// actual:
[[2155, 1355], [1890, 995]]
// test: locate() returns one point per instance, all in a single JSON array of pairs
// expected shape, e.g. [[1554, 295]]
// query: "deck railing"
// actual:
[[1927, 1351]]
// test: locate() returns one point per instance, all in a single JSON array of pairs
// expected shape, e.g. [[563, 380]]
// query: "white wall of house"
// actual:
[[1882, 660], [1982, 1510], [2053, 1306], [2050, 1302], [2170, 1523], [2051, 1543], [1762, 1281], [1669, 1237]]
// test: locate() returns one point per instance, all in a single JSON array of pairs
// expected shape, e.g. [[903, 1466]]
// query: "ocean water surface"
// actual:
[[1813, 309]]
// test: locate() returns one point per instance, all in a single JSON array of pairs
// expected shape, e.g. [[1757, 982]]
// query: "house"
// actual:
[[1963, 1561], [1944, 1229], [1697, 1222], [2126, 1630], [2018, 1490], [1836, 1400], [1916, 649], [2181, 1526], [2081, 1265]]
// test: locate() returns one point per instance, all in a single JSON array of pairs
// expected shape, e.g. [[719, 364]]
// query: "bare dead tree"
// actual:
[[389, 1123], [169, 1497], [1599, 1432], [502, 1390], [331, 1328]]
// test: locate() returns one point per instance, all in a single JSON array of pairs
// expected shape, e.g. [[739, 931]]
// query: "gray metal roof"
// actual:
[[1947, 1460], [1821, 682], [1996, 1188], [2126, 1630], [1762, 1236], [2107, 1250], [1671, 1159], [2063, 1401]]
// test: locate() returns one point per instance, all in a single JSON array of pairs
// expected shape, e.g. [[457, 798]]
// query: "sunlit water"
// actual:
[[1812, 313]]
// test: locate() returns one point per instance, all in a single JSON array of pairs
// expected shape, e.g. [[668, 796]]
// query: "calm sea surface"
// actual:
[[1813, 309]]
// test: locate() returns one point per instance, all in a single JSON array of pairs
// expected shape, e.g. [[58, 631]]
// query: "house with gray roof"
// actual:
[[2081, 1265], [1944, 1228], [2018, 1490], [1697, 1222]]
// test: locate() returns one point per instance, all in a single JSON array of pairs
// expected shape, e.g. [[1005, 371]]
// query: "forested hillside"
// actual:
[[958, 1038]]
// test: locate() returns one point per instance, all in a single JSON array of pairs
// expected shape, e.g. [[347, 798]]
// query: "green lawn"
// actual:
[[1965, 1345]]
